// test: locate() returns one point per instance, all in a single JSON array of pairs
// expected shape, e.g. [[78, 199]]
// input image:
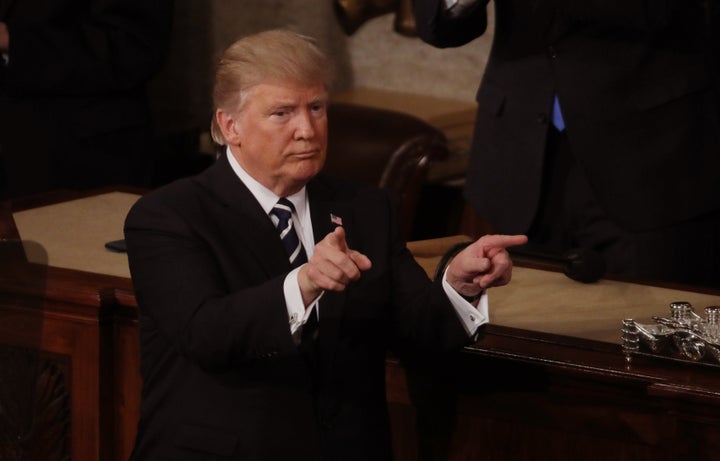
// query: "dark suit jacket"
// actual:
[[73, 110], [639, 102], [223, 378]]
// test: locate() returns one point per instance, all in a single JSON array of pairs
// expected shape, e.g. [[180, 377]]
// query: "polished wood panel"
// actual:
[[70, 322], [65, 318], [522, 395]]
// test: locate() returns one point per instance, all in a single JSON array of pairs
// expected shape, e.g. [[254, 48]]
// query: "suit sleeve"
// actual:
[[424, 319]]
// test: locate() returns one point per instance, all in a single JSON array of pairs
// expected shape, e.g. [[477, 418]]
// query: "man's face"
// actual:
[[281, 135]]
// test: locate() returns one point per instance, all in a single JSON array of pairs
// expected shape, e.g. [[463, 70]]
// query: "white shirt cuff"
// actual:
[[297, 314], [471, 317]]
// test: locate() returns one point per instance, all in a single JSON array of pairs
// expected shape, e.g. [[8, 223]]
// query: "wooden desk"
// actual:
[[547, 380], [69, 369]]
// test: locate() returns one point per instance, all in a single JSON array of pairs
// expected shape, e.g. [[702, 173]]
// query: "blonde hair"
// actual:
[[276, 55]]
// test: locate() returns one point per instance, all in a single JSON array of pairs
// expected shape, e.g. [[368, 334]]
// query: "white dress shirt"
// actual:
[[470, 316]]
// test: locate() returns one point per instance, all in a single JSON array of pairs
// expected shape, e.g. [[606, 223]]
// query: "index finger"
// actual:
[[339, 239], [503, 241]]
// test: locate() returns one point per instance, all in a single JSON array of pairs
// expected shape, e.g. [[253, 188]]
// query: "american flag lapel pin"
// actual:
[[335, 219]]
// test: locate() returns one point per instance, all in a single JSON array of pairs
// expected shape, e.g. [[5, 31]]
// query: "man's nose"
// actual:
[[305, 127]]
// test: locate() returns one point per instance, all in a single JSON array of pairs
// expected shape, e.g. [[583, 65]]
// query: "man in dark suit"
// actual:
[[632, 168], [236, 363], [73, 109]]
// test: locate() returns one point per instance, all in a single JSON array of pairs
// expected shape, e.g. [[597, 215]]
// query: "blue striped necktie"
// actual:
[[283, 210]]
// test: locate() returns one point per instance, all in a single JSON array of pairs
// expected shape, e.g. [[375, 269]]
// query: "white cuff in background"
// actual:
[[457, 7]]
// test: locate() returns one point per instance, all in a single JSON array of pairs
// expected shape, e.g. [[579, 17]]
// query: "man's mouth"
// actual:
[[305, 154]]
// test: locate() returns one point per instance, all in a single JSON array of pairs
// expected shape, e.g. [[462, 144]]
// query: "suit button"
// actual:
[[551, 52], [542, 118]]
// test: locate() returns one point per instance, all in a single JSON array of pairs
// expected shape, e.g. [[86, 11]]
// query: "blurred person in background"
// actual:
[[73, 109], [597, 127]]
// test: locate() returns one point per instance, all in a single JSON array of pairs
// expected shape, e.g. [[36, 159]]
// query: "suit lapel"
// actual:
[[324, 202], [258, 235], [250, 226]]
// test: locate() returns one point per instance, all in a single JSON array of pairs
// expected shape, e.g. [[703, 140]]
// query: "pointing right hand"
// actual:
[[332, 266]]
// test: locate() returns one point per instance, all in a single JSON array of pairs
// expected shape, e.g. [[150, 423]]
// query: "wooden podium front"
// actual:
[[69, 355], [546, 380]]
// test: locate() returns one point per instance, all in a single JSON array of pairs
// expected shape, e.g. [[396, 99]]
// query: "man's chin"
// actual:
[[309, 167], [305, 171]]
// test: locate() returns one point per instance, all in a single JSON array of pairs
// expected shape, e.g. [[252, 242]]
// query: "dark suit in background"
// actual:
[[223, 378], [636, 173], [73, 110]]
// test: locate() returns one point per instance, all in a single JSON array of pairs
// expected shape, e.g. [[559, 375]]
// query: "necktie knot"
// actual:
[[283, 210]]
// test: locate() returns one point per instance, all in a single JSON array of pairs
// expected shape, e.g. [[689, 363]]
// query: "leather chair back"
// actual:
[[390, 149]]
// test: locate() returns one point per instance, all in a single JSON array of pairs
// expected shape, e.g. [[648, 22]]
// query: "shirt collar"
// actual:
[[262, 194]]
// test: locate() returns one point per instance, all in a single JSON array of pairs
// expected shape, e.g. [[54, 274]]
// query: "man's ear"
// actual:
[[229, 127]]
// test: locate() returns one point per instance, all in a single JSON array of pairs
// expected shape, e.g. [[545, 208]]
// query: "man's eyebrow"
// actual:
[[287, 104], [319, 99]]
